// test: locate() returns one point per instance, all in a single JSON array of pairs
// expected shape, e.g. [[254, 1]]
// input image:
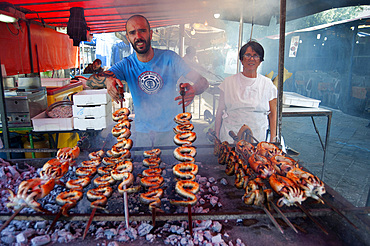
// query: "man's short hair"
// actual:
[[134, 16]]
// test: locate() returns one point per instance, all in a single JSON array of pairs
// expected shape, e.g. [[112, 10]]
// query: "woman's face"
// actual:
[[251, 60]]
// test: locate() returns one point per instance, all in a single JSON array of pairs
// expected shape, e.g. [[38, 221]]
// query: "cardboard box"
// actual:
[[42, 122], [91, 97], [95, 111], [294, 99]]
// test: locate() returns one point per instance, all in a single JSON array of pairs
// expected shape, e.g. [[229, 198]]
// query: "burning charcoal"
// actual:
[[40, 225], [219, 205], [173, 228], [109, 233], [202, 201], [215, 189], [150, 237], [198, 236], [54, 237], [144, 229], [216, 226], [131, 233], [213, 200], [99, 230], [198, 210], [40, 240], [2, 173], [206, 223], [15, 174], [217, 239], [21, 238], [224, 181], [208, 235], [8, 239], [202, 180], [62, 240], [99, 236], [123, 238], [211, 179], [239, 242], [114, 243]]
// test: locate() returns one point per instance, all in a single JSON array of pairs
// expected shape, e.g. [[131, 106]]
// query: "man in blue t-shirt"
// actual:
[[152, 76]]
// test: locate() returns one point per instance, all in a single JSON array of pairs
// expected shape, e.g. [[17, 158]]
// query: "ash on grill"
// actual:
[[30, 232]]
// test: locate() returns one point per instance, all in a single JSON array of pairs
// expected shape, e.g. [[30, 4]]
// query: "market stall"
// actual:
[[219, 200]]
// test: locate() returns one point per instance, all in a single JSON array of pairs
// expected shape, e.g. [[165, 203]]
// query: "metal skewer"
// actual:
[[272, 219], [125, 203], [311, 217], [182, 93], [12, 217], [284, 217], [336, 210]]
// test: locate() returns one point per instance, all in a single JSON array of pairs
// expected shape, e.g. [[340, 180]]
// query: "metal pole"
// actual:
[[181, 40], [240, 38], [4, 118], [29, 45], [281, 69], [353, 43]]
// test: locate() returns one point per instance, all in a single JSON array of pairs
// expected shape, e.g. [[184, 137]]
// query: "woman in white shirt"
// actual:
[[247, 98]]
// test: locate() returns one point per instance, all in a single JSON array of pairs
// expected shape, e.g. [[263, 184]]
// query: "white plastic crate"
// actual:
[[91, 123], [42, 122], [54, 82], [294, 99], [91, 97], [94, 111]]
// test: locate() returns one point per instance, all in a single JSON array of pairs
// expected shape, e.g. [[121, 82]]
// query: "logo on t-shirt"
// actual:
[[150, 82]]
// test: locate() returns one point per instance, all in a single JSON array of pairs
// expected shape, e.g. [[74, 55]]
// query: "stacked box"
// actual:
[[92, 109]]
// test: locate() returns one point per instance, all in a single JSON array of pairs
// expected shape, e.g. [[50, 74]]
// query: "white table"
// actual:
[[311, 112]]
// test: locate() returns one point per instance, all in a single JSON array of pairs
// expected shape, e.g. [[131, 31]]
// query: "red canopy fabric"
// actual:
[[54, 50], [111, 15]]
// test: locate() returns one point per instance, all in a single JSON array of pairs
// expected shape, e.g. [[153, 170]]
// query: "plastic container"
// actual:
[[95, 111], [91, 97], [63, 93], [42, 122], [294, 99], [54, 82], [91, 123]]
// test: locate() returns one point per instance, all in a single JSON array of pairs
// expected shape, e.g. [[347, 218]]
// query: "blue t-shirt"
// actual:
[[153, 88]]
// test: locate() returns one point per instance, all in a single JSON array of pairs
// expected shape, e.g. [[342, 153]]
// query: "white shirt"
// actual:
[[247, 102]]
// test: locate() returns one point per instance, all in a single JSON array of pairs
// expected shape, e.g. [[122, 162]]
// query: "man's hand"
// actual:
[[111, 84], [189, 94]]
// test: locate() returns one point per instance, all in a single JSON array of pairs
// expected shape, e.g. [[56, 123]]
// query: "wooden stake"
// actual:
[[12, 217], [89, 223]]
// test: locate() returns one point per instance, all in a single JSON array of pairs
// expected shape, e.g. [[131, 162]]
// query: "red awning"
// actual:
[[111, 15], [54, 50]]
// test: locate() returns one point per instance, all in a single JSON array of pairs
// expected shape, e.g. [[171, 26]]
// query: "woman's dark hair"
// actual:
[[97, 61], [255, 46]]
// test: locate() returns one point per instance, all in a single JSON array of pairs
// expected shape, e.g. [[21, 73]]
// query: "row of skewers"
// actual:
[[263, 168]]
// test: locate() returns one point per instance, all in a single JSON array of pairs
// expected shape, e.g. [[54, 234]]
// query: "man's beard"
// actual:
[[145, 50]]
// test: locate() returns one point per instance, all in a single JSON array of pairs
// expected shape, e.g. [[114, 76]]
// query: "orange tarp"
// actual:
[[55, 50]]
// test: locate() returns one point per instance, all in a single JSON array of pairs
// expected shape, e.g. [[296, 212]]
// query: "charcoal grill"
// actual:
[[233, 210]]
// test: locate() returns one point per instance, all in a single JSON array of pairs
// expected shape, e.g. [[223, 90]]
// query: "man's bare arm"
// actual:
[[99, 81], [107, 80], [200, 83]]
